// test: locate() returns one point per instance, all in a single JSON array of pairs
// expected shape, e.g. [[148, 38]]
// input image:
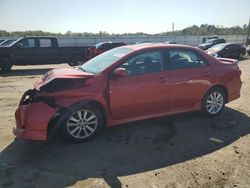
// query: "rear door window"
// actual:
[[45, 43], [182, 58]]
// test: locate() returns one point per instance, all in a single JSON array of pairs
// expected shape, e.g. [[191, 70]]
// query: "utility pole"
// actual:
[[248, 40], [172, 28]]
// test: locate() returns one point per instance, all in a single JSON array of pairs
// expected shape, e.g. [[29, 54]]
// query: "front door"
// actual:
[[146, 88], [24, 52]]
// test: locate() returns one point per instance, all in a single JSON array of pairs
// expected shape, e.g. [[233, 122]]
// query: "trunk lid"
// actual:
[[228, 61]]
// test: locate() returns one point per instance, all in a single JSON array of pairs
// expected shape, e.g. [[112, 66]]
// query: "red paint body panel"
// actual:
[[61, 73], [132, 98], [32, 121], [138, 96]]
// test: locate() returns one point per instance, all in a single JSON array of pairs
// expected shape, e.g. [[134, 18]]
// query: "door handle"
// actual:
[[162, 79], [206, 73]]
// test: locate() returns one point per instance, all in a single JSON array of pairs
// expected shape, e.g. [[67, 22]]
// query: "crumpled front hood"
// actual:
[[65, 73]]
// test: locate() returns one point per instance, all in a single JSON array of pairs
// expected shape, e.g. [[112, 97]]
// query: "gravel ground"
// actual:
[[177, 151]]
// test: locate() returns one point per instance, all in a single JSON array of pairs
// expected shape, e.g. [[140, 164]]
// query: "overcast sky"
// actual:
[[119, 16]]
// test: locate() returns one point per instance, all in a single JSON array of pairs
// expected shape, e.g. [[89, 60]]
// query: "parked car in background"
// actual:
[[102, 47], [144, 41], [170, 42], [248, 50], [227, 50], [126, 84], [38, 50], [1, 40], [211, 42], [7, 42]]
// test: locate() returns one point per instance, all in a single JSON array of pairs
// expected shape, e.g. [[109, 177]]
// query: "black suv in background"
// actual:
[[102, 47], [38, 51], [211, 42]]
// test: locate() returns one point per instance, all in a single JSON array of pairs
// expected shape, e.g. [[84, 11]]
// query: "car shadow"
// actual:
[[243, 58], [120, 151], [25, 72]]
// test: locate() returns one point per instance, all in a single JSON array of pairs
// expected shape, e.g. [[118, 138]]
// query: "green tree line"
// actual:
[[194, 30]]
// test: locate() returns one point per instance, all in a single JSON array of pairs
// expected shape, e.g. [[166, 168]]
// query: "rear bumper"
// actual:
[[32, 121]]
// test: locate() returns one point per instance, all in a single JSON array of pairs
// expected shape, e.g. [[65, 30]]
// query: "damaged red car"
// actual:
[[126, 84]]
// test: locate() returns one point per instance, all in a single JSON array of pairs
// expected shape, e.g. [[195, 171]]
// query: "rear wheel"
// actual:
[[83, 124], [5, 65], [241, 55], [214, 102]]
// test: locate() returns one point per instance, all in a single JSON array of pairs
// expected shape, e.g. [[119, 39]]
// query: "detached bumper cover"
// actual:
[[32, 121]]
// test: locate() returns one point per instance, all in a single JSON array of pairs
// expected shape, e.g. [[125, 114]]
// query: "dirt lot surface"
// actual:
[[177, 151]]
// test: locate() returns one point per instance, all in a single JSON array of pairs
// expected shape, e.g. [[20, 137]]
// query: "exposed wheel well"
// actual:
[[56, 118], [102, 109]]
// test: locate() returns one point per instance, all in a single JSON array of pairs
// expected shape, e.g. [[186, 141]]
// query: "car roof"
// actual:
[[156, 45]]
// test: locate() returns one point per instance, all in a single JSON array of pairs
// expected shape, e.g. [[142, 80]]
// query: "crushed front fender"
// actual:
[[32, 121]]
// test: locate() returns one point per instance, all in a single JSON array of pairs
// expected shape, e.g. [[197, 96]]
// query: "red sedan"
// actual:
[[126, 84]]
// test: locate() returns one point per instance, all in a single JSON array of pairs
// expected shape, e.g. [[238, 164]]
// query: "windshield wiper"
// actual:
[[80, 67]]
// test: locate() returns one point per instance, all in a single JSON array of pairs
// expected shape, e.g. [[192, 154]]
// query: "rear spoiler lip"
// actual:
[[232, 61]]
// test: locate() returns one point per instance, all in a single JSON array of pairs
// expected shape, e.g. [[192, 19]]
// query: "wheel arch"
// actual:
[[7, 57], [55, 122], [220, 87]]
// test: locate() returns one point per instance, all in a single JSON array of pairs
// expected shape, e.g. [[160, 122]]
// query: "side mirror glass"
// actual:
[[19, 45], [120, 73]]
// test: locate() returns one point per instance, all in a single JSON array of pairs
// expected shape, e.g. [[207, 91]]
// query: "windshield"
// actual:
[[7, 43], [210, 41], [98, 44], [104, 60], [218, 47]]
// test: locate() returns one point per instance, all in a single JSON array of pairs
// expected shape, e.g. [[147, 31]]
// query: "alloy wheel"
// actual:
[[214, 102], [82, 124]]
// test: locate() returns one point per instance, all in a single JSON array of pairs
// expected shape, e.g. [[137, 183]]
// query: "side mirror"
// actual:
[[19, 45], [120, 73]]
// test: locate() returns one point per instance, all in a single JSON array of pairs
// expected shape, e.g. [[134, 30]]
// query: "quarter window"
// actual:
[[180, 59]]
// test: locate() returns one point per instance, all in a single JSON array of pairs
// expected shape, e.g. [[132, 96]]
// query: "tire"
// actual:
[[83, 124], [214, 102], [241, 55], [5, 65]]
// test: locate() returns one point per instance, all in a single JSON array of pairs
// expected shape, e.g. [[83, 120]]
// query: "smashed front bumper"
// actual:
[[32, 118]]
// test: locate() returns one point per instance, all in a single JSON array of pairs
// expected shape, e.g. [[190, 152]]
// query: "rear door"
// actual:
[[191, 76], [146, 88], [48, 51]]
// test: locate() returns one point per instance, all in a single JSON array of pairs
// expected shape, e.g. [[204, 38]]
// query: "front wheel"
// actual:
[[5, 65], [214, 102], [83, 124]]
